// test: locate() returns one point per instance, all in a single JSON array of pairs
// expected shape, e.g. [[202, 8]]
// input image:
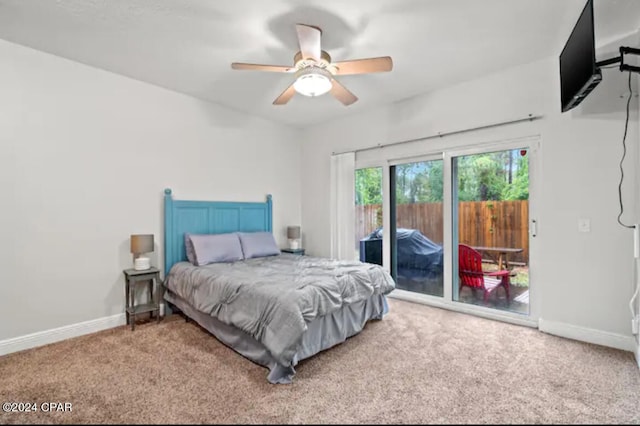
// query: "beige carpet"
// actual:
[[418, 365]]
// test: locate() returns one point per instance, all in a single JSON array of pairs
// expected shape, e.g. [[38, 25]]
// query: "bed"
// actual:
[[274, 310]]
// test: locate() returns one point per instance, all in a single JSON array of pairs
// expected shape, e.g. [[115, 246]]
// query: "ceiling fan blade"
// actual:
[[309, 39], [364, 66], [285, 96], [342, 94], [260, 67]]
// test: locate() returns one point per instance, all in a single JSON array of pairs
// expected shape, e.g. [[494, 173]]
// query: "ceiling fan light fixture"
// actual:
[[314, 71], [313, 81]]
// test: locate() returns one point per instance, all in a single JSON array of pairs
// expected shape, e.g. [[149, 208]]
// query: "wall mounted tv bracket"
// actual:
[[623, 66], [597, 75]]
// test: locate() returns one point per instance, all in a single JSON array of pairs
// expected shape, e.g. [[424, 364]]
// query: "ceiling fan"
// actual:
[[315, 73]]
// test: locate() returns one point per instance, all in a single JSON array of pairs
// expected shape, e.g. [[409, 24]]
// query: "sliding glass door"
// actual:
[[417, 254], [490, 194], [456, 226]]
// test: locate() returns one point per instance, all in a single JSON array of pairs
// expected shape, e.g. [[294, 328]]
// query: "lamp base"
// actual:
[[141, 263], [294, 244]]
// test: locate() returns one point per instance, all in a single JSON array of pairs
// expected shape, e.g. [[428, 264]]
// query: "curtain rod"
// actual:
[[530, 117]]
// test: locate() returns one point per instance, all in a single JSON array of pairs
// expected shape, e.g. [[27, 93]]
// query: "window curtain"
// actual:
[[343, 206]]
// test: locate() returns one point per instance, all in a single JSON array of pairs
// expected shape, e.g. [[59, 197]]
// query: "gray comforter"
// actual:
[[273, 298]]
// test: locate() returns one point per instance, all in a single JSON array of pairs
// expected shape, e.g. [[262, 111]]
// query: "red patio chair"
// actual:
[[472, 275]]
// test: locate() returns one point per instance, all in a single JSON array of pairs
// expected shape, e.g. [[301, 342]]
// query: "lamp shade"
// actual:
[[141, 243], [293, 232]]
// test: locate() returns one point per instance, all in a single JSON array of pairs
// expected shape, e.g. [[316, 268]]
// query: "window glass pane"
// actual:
[[491, 218], [416, 200], [368, 243]]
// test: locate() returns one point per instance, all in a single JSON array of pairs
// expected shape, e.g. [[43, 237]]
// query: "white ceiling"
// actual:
[[188, 45]]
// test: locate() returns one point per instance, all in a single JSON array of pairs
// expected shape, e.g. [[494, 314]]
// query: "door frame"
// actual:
[[532, 144], [446, 273]]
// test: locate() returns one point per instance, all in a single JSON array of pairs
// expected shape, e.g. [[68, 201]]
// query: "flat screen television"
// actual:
[[579, 74]]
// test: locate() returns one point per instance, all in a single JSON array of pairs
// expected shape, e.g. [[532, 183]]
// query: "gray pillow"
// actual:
[[188, 247], [258, 244], [215, 248]]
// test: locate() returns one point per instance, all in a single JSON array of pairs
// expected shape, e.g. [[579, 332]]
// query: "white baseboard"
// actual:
[[590, 335], [58, 334]]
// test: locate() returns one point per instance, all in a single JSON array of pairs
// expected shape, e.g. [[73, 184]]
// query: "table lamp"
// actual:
[[140, 245], [293, 234]]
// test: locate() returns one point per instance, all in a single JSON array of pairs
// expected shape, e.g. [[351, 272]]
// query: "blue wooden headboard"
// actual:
[[208, 217]]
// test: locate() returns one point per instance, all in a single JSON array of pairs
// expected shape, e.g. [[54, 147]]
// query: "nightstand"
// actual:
[[299, 252], [132, 277]]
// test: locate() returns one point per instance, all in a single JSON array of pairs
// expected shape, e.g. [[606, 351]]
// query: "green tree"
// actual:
[[519, 188], [479, 178], [369, 186], [495, 176], [419, 182], [484, 177]]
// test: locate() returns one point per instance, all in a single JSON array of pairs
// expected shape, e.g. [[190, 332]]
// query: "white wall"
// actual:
[[84, 158], [583, 279]]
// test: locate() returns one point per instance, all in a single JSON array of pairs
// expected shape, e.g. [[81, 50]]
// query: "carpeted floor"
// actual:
[[418, 365]]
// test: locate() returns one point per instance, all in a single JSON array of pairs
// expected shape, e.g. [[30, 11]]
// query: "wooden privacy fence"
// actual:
[[480, 223]]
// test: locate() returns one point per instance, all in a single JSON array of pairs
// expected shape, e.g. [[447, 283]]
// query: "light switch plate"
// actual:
[[584, 225]]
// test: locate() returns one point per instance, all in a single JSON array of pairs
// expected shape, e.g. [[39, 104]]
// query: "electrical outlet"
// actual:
[[634, 325]]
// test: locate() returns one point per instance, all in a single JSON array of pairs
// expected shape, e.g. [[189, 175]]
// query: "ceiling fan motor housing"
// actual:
[[323, 61]]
